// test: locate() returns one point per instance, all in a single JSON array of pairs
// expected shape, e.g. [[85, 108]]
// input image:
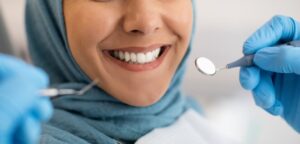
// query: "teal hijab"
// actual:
[[95, 117]]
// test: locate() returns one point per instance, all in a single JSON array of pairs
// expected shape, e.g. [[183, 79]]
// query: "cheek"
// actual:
[[181, 23], [86, 29], [180, 19]]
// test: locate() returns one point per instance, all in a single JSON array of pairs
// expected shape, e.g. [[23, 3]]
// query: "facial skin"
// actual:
[[97, 27]]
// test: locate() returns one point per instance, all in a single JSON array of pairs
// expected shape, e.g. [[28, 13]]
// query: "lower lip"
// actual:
[[139, 67]]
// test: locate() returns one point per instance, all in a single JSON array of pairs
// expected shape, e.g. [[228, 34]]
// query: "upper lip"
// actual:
[[139, 49]]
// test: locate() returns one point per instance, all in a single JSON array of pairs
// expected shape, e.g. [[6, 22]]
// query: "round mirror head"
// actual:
[[205, 66]]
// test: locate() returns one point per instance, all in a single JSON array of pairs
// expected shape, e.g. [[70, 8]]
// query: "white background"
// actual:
[[222, 26]]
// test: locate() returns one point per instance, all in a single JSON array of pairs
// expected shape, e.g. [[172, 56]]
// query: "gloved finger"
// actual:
[[19, 89], [5, 137], [42, 109], [278, 29], [276, 109], [37, 77], [13, 67], [28, 130], [9, 65], [283, 59], [249, 77], [17, 97], [19, 94], [264, 93]]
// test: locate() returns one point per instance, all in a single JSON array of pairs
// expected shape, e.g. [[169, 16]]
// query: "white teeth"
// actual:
[[149, 56], [156, 53], [139, 58], [127, 56], [133, 57], [121, 55]]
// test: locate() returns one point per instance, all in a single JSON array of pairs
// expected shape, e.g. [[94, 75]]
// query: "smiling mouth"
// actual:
[[135, 59], [138, 57]]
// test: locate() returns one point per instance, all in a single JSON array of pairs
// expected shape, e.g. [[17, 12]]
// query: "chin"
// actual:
[[143, 98]]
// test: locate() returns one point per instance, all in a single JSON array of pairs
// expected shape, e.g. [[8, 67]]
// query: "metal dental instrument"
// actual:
[[53, 92], [207, 67]]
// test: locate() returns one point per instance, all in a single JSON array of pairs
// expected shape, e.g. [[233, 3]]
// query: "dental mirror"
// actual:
[[205, 66]]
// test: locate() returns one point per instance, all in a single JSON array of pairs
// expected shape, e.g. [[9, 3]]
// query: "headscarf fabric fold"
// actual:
[[95, 117]]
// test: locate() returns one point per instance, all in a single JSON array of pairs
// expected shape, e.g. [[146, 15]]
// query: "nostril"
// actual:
[[135, 31], [145, 31]]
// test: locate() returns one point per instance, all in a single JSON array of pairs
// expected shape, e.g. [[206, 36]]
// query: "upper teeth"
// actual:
[[139, 58]]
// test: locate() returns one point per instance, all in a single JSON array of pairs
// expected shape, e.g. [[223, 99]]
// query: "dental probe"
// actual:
[[53, 92]]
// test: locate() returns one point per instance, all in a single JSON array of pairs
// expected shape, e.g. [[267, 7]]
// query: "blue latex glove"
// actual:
[[275, 80], [21, 108]]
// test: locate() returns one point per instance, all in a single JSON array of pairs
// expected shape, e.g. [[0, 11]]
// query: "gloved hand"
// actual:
[[21, 108], [275, 80]]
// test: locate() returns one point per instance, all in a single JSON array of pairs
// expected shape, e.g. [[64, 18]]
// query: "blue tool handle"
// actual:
[[242, 62], [248, 59]]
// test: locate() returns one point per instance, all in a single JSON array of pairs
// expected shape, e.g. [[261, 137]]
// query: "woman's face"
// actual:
[[133, 47]]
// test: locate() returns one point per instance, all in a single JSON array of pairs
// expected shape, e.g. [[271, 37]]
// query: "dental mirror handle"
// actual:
[[242, 62], [248, 59]]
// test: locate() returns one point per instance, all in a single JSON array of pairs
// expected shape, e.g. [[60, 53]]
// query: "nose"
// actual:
[[141, 18]]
